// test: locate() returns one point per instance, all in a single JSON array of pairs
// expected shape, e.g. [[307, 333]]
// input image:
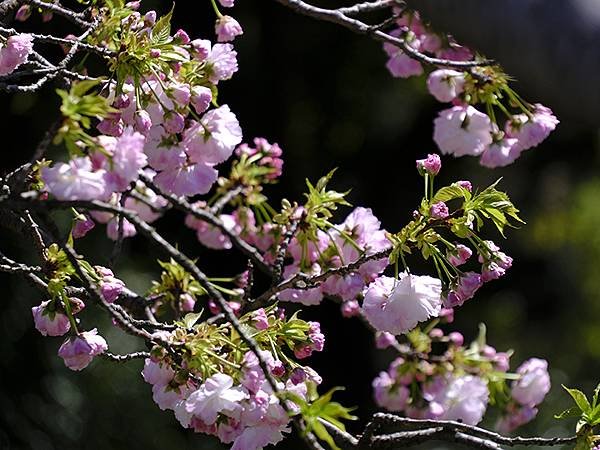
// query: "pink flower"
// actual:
[[23, 13], [187, 179], [397, 306], [143, 122], [465, 184], [127, 158], [215, 396], [112, 125], [213, 140], [210, 235], [110, 286], [15, 52], [445, 85], [127, 229], [174, 122], [515, 416], [501, 153], [182, 36], [388, 394], [459, 255], [491, 271], [201, 98], [227, 3], [432, 164], [456, 338], [531, 131], [221, 63], [157, 372], [350, 308], [82, 226], [260, 319], [227, 28], [383, 339], [50, 323], [75, 180], [79, 351], [312, 296], [187, 302], [534, 384], [400, 65], [439, 210], [468, 284], [462, 399], [166, 396], [462, 131]]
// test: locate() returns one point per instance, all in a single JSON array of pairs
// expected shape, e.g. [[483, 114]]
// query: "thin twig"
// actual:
[[357, 26]]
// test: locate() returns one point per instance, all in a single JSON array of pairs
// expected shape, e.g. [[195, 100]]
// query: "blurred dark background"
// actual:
[[325, 96]]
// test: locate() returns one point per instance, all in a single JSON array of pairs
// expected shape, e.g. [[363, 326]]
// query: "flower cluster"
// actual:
[[420, 37], [460, 383], [462, 129], [219, 391]]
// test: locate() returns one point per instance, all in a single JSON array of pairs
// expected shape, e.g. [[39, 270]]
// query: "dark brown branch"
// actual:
[[75, 17], [367, 7], [357, 26]]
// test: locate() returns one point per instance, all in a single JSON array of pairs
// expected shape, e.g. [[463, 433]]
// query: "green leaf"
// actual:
[[191, 319], [161, 31], [580, 399], [450, 193]]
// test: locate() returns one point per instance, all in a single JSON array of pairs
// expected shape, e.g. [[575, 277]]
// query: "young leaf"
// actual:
[[580, 399]]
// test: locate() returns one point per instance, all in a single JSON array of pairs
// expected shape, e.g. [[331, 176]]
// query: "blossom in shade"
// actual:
[[465, 289], [514, 417], [399, 64], [50, 323], [397, 306], [227, 29], [432, 164], [351, 308], [79, 351], [260, 319], [216, 395], [23, 13], [383, 339], [110, 286], [445, 85], [75, 180], [462, 130], [501, 153], [389, 394], [115, 229], [459, 255], [534, 383], [82, 226], [531, 131], [210, 235], [462, 398], [157, 372], [15, 52], [213, 139]]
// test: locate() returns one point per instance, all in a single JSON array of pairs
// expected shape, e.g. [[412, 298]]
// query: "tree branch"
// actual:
[[357, 26]]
